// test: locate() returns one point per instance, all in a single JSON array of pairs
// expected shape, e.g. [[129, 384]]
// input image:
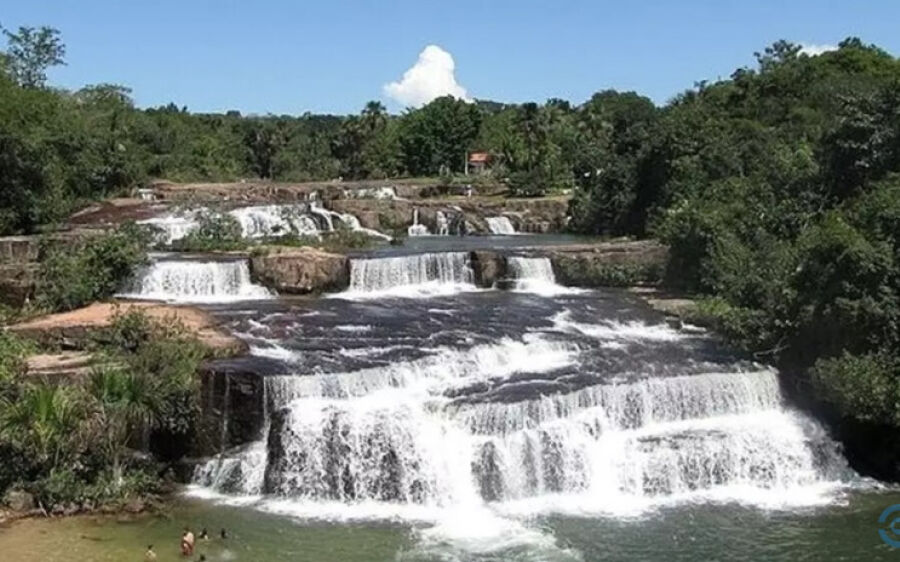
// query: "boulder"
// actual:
[[489, 267], [301, 270], [19, 500]]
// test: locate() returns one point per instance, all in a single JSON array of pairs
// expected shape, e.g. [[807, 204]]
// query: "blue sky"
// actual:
[[331, 56]]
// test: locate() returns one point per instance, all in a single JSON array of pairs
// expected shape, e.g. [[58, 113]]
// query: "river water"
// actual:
[[416, 417]]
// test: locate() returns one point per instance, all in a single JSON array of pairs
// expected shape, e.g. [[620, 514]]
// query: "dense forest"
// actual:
[[777, 189]]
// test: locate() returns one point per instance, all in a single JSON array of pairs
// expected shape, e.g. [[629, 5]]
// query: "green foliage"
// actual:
[[864, 387], [30, 52], [72, 443], [214, 232], [13, 351], [583, 272], [74, 274]]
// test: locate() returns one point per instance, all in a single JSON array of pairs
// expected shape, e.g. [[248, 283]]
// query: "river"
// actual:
[[416, 417]]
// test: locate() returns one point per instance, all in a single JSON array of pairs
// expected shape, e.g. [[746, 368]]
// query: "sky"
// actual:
[[332, 56]]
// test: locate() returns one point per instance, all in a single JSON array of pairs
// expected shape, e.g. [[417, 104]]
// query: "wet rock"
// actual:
[[489, 267], [232, 407], [301, 270], [18, 500]]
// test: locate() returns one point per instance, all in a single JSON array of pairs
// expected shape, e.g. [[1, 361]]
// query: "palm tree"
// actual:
[[43, 421], [124, 403]]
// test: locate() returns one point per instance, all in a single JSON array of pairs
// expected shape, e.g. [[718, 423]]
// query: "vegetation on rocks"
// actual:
[[72, 446], [93, 268]]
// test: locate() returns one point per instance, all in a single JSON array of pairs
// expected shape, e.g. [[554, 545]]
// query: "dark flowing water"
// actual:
[[417, 418]]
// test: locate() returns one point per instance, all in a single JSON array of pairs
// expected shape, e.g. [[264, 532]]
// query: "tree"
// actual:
[[124, 404], [43, 421], [30, 52]]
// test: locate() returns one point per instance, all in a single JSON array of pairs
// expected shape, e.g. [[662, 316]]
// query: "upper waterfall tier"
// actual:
[[500, 225]]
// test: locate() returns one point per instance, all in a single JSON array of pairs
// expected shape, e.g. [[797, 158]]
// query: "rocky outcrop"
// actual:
[[489, 267], [619, 263], [76, 329], [19, 249], [300, 270], [232, 405], [60, 366]]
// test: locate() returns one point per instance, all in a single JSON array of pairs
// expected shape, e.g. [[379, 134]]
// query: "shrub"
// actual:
[[862, 387], [215, 232], [72, 276]]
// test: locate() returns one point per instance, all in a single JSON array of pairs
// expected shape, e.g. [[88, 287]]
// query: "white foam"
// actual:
[[500, 225], [192, 281], [416, 276], [535, 275], [614, 330]]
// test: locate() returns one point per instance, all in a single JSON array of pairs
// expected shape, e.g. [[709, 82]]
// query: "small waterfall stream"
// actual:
[[415, 275], [194, 281], [500, 225]]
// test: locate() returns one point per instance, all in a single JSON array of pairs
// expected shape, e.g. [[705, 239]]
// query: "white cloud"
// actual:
[[815, 50], [431, 77]]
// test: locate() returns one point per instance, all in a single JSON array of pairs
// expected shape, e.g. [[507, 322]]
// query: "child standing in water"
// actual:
[[187, 542], [150, 555]]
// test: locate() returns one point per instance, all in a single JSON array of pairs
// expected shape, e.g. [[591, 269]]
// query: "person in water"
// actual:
[[150, 555], [223, 534], [204, 534], [187, 542]]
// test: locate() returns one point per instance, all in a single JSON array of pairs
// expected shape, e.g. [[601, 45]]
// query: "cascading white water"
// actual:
[[386, 192], [172, 227], [195, 281], [500, 225], [261, 221], [391, 436], [416, 229], [415, 275], [535, 275], [274, 220], [443, 224]]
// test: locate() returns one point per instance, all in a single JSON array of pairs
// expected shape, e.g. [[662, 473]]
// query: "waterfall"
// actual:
[[172, 227], [195, 281], [415, 275], [393, 438], [274, 220], [417, 229], [500, 225], [535, 275], [443, 225], [263, 221], [386, 192]]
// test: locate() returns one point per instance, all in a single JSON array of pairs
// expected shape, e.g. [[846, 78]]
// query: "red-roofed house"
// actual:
[[477, 162]]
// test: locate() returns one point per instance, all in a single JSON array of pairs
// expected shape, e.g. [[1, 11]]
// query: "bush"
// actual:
[[72, 276], [861, 387], [215, 232], [585, 272]]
